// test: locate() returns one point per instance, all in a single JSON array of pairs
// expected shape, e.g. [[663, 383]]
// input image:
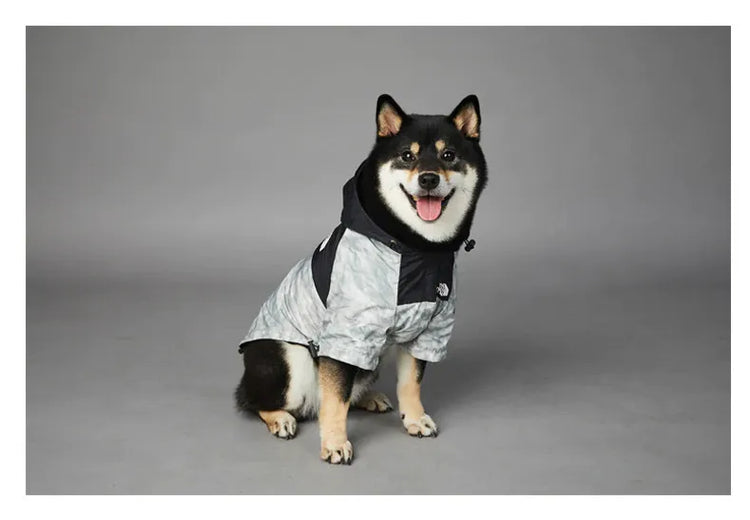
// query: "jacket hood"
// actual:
[[354, 217]]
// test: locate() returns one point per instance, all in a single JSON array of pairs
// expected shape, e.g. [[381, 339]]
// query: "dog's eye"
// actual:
[[448, 156], [407, 156]]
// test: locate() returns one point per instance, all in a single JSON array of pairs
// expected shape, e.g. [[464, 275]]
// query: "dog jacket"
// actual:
[[360, 291]]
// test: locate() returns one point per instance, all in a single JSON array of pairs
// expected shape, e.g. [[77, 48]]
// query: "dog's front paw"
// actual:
[[420, 427], [337, 453]]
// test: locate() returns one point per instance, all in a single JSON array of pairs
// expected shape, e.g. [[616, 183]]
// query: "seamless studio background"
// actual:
[[174, 175]]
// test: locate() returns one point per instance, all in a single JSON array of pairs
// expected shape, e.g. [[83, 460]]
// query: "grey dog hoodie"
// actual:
[[361, 291]]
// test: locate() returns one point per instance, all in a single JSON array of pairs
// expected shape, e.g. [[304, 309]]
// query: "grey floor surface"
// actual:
[[619, 390]]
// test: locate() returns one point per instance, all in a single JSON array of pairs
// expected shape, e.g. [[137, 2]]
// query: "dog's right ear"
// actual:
[[389, 117]]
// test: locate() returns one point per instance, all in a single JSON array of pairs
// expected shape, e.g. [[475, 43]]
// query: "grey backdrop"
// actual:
[[175, 174]]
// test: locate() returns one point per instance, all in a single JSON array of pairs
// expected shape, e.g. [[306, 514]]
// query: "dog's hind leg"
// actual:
[[280, 423], [280, 380], [364, 398], [373, 401]]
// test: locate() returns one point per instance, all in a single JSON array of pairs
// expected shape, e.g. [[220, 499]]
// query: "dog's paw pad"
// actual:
[[420, 427], [337, 454], [283, 426], [376, 402]]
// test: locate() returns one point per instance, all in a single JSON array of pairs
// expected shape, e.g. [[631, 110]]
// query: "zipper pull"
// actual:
[[313, 348], [470, 243]]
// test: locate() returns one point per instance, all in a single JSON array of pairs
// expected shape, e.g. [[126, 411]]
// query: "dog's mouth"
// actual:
[[428, 207]]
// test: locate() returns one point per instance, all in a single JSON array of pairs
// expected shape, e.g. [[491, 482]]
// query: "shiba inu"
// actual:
[[383, 279]]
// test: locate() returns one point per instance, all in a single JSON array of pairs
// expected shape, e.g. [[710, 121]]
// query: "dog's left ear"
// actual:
[[390, 117], [466, 117]]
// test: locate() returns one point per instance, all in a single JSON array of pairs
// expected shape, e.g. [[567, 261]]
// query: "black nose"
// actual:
[[429, 180]]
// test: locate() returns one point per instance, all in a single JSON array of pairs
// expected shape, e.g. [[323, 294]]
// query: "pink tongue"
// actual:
[[429, 208]]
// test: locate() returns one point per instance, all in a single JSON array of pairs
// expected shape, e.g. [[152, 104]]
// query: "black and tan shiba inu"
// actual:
[[385, 277]]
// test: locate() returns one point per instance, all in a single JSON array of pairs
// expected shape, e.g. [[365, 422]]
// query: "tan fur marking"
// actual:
[[414, 148], [389, 122], [270, 418], [467, 122], [408, 389], [416, 422], [439, 145], [333, 411], [411, 174], [275, 419], [374, 402], [446, 173]]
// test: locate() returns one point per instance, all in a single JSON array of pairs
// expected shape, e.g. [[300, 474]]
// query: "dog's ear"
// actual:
[[389, 117], [466, 117]]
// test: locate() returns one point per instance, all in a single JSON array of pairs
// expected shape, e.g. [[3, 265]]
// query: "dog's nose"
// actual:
[[429, 180]]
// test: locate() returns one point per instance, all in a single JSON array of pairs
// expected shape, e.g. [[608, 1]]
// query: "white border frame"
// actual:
[[384, 12]]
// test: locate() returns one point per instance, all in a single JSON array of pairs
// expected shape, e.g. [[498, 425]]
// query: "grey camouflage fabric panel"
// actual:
[[293, 312], [362, 316]]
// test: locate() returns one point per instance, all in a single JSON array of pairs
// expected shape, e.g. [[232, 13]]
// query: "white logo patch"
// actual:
[[442, 289], [324, 243]]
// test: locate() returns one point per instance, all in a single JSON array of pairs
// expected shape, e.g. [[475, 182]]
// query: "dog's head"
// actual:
[[427, 173]]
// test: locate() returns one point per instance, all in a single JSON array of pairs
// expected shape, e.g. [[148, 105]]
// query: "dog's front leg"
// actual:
[[409, 373], [336, 380]]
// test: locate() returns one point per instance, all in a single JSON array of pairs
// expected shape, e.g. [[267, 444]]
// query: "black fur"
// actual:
[[425, 130], [421, 366], [265, 381], [266, 378]]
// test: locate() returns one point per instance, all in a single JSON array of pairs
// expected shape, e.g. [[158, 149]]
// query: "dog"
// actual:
[[383, 280]]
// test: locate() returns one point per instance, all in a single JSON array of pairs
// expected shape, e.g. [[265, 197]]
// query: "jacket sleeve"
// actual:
[[360, 307], [432, 344]]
